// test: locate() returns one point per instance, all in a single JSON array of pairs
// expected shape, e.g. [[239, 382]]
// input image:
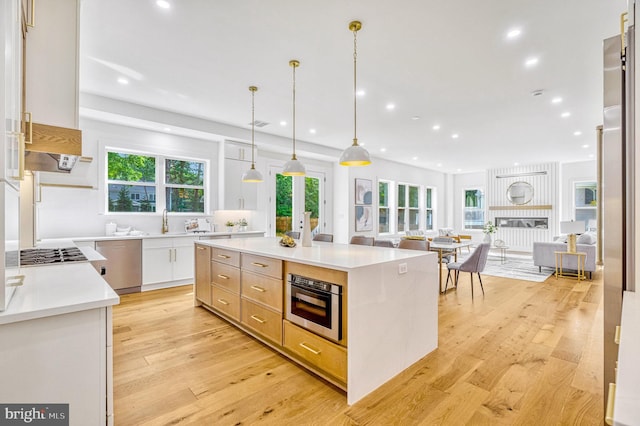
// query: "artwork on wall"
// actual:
[[363, 195], [364, 218]]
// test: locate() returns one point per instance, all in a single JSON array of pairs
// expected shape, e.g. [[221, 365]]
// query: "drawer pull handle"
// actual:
[[201, 248], [616, 337], [256, 288], [224, 277], [313, 351], [222, 301], [224, 256], [608, 419], [15, 281], [261, 265], [260, 320]]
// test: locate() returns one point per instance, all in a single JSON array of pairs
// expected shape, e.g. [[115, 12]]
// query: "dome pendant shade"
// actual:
[[293, 167], [252, 175], [355, 155]]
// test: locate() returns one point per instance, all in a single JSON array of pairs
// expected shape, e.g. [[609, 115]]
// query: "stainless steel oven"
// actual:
[[315, 305]]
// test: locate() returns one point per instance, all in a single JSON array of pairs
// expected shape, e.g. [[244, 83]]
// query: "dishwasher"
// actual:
[[123, 264]]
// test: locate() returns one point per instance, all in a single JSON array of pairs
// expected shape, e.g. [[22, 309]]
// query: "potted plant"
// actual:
[[229, 226], [242, 225], [489, 229]]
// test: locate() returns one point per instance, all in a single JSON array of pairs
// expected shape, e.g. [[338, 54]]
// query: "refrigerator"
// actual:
[[617, 155]]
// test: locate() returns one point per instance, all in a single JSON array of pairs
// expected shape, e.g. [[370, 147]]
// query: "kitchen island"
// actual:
[[56, 342], [389, 315]]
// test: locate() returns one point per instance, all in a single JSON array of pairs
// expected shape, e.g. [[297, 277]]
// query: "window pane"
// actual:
[[402, 196], [130, 168], [414, 219], [474, 209], [187, 200], [312, 199], [429, 219], [428, 198], [383, 194], [180, 172], [132, 198], [401, 220], [383, 220], [284, 202], [413, 196], [585, 194]]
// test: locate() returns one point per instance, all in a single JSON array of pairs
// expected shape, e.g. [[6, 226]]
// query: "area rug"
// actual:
[[515, 266]]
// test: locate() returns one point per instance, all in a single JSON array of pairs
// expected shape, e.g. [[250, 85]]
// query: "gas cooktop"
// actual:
[[50, 256]]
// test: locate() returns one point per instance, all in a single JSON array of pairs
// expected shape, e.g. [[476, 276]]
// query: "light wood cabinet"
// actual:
[[317, 351], [262, 289], [226, 302], [225, 282], [226, 276], [262, 265], [228, 257], [203, 274], [262, 320]]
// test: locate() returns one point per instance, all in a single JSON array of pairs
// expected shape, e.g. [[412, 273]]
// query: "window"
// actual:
[[585, 203], [473, 209], [383, 207], [133, 185], [428, 211], [408, 208], [184, 186], [131, 182]]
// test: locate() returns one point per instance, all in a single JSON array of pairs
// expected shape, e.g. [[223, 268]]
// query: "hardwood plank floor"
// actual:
[[524, 354]]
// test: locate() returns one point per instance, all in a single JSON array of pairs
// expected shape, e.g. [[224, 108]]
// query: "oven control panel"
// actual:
[[300, 281]]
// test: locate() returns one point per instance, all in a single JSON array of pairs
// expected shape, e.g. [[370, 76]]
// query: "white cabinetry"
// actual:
[[11, 90], [52, 64], [238, 195], [166, 260]]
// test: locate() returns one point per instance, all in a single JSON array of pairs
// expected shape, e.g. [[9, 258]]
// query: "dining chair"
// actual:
[[413, 244], [383, 243], [446, 254], [361, 240], [293, 234], [475, 263], [323, 237]]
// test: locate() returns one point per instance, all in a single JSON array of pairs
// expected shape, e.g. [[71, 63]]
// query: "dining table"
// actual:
[[446, 248]]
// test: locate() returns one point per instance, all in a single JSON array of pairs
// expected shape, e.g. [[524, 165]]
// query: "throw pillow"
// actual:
[[560, 239], [586, 238]]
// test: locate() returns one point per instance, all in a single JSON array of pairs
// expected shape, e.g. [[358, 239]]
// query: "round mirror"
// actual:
[[520, 193]]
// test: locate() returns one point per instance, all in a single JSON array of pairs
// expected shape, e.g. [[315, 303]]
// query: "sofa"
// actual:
[[544, 253]]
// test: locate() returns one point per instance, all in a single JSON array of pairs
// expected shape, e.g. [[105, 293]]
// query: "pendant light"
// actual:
[[252, 175], [294, 167], [355, 155]]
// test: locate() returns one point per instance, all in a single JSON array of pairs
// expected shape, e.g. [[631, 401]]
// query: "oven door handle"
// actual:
[[310, 349]]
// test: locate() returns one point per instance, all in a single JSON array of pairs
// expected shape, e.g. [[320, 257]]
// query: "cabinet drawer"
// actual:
[[225, 276], [229, 257], [262, 265], [260, 288], [226, 302], [317, 351], [264, 321]]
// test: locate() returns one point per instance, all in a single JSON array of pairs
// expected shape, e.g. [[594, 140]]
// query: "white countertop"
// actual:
[[627, 405], [139, 237], [336, 256], [58, 289]]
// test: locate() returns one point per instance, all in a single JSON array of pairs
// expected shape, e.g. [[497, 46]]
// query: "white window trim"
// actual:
[[484, 196], [390, 210]]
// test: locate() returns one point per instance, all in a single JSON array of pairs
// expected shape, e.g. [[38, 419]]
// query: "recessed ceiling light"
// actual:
[[415, 117], [167, 129], [514, 33], [565, 114], [164, 4], [455, 136], [516, 164], [314, 131], [436, 127], [414, 158], [361, 92], [585, 145], [123, 81], [439, 164], [590, 155], [577, 133], [458, 170], [530, 62], [556, 100], [283, 123], [390, 106], [383, 149]]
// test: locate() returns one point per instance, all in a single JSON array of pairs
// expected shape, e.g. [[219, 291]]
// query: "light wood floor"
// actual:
[[527, 353]]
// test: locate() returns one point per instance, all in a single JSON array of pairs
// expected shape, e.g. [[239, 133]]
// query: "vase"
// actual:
[[306, 230], [487, 238]]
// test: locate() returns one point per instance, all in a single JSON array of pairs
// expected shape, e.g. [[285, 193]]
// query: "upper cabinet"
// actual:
[[238, 195], [50, 88]]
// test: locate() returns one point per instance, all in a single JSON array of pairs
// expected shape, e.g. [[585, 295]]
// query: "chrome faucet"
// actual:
[[165, 222]]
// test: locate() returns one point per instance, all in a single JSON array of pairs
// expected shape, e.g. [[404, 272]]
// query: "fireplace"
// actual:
[[522, 222]]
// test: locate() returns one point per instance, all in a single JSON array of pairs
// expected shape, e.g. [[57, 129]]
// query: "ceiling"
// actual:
[[446, 63]]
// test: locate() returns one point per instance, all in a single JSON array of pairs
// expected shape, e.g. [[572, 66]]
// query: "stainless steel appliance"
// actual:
[[51, 256], [123, 264], [617, 171], [315, 305]]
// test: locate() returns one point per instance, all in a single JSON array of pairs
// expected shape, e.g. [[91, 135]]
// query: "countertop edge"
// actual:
[[142, 237]]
